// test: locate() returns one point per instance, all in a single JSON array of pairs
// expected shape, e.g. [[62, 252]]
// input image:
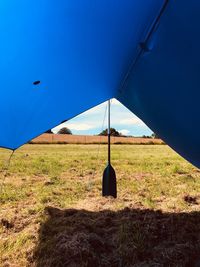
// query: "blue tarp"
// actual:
[[145, 53]]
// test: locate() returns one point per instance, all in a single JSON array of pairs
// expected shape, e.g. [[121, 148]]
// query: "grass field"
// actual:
[[52, 212]]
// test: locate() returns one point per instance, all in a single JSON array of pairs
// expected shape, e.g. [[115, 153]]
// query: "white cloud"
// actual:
[[115, 102], [124, 132], [80, 126], [91, 121], [132, 121], [95, 110], [100, 109]]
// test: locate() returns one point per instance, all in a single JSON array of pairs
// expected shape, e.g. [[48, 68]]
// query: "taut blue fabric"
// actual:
[[60, 58], [164, 86]]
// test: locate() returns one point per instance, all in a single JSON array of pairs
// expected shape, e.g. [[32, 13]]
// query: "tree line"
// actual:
[[113, 132]]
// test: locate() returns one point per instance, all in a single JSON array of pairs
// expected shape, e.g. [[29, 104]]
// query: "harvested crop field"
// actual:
[[52, 212], [89, 139]]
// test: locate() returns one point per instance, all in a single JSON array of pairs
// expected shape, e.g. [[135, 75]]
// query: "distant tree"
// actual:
[[64, 130], [146, 136], [154, 135], [113, 132], [49, 131]]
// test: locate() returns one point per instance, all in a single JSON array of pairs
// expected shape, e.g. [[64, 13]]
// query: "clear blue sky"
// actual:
[[91, 121]]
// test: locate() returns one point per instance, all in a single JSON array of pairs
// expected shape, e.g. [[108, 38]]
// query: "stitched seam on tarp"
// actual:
[[141, 51]]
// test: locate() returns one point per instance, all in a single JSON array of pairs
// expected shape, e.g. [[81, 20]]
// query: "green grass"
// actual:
[[69, 176]]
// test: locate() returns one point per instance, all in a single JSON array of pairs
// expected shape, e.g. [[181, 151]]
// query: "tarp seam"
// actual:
[[142, 49]]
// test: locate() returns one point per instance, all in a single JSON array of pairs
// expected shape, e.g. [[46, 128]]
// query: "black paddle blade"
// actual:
[[109, 187]]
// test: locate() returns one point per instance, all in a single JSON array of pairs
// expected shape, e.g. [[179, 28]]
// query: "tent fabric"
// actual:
[[60, 58], [164, 88]]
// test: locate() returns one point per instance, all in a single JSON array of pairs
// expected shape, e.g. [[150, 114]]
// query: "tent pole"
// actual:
[[109, 185], [108, 131]]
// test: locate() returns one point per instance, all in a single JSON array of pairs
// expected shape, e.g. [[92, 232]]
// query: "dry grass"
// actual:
[[52, 212], [89, 139]]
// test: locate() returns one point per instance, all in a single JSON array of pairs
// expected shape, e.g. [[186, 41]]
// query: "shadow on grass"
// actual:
[[129, 237]]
